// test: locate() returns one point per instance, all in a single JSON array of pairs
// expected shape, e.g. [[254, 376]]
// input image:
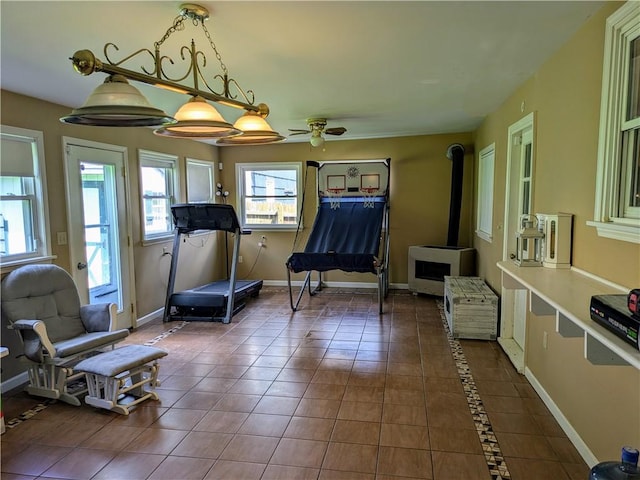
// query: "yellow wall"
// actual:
[[565, 96], [600, 402], [419, 199]]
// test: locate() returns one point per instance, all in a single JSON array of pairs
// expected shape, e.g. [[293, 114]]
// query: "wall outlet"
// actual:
[[62, 238], [239, 258], [263, 242], [545, 340]]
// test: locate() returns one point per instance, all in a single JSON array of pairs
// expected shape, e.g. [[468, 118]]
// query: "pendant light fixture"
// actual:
[[121, 105], [116, 103], [255, 130], [198, 119]]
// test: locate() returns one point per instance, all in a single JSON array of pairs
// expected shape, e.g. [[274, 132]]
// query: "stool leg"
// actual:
[[137, 379]]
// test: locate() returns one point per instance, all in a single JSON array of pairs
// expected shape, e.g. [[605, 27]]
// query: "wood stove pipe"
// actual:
[[455, 153]]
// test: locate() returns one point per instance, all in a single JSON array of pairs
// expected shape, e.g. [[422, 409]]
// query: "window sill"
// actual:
[[7, 267], [154, 241], [487, 237], [273, 228], [617, 231]]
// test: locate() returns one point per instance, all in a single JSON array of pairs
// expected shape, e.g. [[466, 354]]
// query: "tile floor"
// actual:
[[332, 392]]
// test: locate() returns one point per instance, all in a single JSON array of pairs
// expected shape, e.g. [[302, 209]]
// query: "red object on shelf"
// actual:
[[633, 301]]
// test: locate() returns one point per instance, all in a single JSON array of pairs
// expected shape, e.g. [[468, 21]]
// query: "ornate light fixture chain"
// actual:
[[178, 26], [215, 49]]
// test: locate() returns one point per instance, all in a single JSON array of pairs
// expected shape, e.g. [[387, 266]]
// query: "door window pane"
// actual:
[[101, 232], [527, 160]]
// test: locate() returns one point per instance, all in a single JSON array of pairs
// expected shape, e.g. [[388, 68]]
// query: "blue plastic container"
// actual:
[[627, 469]]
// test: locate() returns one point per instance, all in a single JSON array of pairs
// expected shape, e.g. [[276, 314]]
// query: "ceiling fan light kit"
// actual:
[[118, 104], [316, 140]]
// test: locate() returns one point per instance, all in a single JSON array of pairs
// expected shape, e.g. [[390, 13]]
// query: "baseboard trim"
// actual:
[[149, 316], [584, 451], [283, 283], [14, 382], [370, 285]]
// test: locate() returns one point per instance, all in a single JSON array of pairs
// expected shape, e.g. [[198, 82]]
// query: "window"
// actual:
[[159, 187], [485, 193], [24, 219], [268, 195], [200, 181], [617, 208]]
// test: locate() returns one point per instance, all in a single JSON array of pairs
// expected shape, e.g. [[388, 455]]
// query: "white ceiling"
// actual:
[[378, 68]]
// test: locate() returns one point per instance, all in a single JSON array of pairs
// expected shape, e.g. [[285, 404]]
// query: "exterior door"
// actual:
[[99, 226], [518, 202], [525, 160]]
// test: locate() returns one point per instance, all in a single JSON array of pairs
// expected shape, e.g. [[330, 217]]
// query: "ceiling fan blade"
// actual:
[[335, 131], [297, 131]]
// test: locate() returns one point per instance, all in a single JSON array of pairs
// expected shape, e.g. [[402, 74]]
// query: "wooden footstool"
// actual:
[[108, 374]]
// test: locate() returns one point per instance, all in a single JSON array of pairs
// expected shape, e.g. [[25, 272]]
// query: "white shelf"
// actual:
[[567, 294]]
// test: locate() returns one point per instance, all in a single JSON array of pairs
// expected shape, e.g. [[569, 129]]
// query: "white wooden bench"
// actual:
[[108, 376]]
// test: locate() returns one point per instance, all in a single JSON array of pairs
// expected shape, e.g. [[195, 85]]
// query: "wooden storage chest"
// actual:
[[471, 308]]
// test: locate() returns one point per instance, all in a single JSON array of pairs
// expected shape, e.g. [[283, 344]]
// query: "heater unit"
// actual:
[[428, 265]]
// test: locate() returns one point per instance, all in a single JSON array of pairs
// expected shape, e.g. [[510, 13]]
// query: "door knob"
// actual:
[[81, 266]]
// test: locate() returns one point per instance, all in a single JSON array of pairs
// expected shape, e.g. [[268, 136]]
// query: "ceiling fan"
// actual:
[[316, 129]]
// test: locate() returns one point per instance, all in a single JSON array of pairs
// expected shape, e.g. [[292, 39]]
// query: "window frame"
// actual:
[[241, 168], [148, 158], [622, 27], [39, 198], [486, 172]]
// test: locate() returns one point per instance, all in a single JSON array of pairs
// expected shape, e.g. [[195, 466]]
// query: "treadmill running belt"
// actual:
[[215, 294]]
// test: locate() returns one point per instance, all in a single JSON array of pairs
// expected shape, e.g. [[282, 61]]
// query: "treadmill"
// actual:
[[216, 301]]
